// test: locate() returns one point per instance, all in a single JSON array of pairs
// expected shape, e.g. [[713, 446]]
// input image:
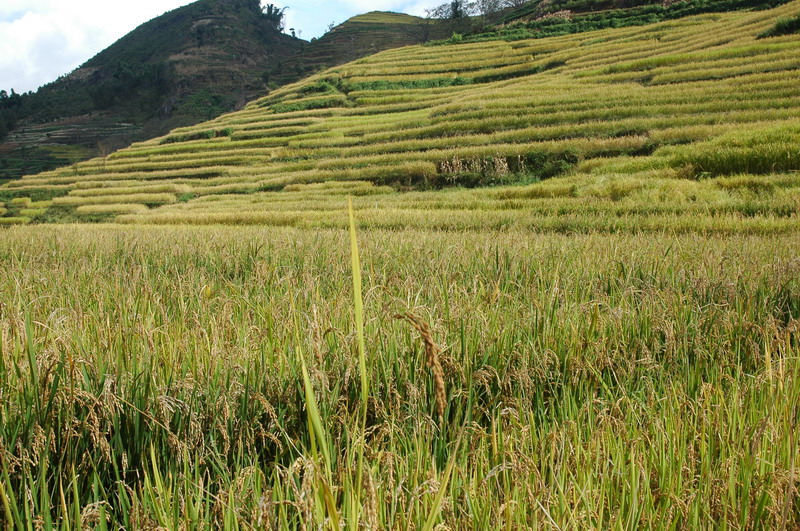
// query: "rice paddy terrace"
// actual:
[[357, 37], [576, 303], [687, 124]]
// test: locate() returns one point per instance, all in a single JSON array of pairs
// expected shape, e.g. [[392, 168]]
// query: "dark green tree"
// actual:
[[274, 16], [457, 9]]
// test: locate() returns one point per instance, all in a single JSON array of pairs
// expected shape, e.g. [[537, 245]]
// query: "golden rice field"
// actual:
[[212, 377], [567, 296]]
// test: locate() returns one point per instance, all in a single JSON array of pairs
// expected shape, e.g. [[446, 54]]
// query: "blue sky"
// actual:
[[43, 39]]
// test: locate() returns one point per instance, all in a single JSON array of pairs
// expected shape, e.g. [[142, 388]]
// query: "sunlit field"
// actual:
[[190, 377], [566, 296]]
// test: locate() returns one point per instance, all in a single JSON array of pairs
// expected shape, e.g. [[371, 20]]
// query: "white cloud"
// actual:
[[43, 39]]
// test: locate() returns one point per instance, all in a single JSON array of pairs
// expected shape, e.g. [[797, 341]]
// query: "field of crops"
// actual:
[[567, 297], [690, 124], [211, 376], [357, 37]]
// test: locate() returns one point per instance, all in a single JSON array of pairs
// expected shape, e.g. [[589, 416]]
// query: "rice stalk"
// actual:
[[432, 352]]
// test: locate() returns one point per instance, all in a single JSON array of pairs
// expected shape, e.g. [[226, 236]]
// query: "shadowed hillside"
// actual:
[[188, 65]]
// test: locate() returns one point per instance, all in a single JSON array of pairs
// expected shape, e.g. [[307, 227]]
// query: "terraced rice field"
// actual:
[[567, 297], [689, 124], [356, 37]]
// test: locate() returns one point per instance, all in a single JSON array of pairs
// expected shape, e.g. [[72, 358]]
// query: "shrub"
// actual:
[[501, 169], [784, 26], [324, 86], [199, 135]]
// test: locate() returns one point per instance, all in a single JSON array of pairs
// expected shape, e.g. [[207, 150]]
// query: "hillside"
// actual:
[[358, 37], [185, 66], [212, 56], [687, 125], [549, 18]]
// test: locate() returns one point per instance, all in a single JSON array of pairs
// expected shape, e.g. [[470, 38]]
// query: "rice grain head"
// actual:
[[432, 358]]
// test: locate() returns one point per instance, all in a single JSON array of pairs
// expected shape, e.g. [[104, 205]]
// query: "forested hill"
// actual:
[[188, 65]]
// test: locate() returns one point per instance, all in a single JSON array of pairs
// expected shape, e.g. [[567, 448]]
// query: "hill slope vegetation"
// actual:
[[188, 65], [614, 129], [184, 67], [210, 57]]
